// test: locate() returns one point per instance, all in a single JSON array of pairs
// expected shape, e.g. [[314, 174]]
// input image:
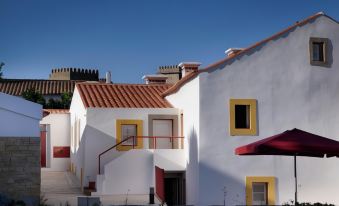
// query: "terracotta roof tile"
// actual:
[[45, 87], [57, 111], [123, 95], [192, 75]]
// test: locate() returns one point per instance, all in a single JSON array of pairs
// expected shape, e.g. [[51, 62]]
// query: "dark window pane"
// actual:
[[242, 116], [318, 51]]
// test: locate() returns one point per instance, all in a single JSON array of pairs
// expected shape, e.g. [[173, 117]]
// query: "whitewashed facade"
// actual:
[[132, 172], [289, 92], [57, 125]]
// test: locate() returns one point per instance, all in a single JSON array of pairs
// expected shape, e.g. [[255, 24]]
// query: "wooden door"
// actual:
[[160, 183], [163, 128]]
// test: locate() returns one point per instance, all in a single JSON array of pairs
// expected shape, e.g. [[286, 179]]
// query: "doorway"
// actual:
[[163, 128], [175, 188]]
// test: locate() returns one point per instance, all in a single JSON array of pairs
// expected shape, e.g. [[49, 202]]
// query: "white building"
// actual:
[[289, 80], [103, 115], [55, 140]]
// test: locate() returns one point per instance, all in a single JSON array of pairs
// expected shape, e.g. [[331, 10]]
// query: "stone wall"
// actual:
[[74, 74], [20, 168], [173, 73]]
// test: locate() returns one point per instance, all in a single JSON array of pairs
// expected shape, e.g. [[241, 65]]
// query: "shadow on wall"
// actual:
[[217, 187], [208, 186], [330, 54], [92, 143], [192, 172], [96, 142]]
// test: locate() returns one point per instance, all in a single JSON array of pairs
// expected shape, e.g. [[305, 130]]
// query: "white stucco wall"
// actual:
[[19, 117], [130, 173], [59, 128], [77, 122], [133, 171], [99, 134], [187, 100], [290, 94], [170, 159]]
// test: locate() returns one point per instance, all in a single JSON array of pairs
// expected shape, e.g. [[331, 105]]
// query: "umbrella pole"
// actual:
[[296, 181]]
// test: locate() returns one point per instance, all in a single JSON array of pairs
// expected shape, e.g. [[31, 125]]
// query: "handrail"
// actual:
[[117, 144], [134, 137]]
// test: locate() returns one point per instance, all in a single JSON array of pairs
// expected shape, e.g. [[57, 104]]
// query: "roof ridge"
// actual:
[[276, 35], [181, 82], [4, 80], [125, 84]]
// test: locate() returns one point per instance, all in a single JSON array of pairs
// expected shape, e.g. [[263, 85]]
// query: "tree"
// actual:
[[64, 103], [66, 99], [1, 65], [34, 96]]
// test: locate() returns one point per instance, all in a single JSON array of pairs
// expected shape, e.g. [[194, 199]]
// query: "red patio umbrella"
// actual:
[[293, 142]]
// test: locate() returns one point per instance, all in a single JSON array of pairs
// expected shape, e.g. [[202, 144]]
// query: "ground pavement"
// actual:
[[59, 188]]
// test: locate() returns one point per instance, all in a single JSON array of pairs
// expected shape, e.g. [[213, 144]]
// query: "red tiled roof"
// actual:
[[192, 75], [45, 87], [57, 111], [123, 95]]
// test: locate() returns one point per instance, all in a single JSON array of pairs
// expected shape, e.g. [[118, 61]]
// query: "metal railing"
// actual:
[[134, 144]]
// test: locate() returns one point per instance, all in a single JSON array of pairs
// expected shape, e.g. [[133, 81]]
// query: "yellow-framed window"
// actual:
[[243, 117], [260, 190], [126, 128]]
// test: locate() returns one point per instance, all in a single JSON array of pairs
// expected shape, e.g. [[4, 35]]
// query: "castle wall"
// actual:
[[74, 74]]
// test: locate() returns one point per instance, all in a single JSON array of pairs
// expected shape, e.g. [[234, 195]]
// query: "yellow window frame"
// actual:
[[253, 117], [139, 141], [269, 180]]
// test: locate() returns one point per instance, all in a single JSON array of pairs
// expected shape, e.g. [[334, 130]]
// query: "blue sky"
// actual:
[[132, 38]]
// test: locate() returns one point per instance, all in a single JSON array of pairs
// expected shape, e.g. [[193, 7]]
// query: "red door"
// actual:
[[43, 145], [160, 183]]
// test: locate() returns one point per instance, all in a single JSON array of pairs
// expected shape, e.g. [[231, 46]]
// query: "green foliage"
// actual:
[[34, 96], [53, 104], [66, 99], [1, 65], [64, 103]]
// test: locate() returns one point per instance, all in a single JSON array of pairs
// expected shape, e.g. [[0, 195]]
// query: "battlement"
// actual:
[[173, 72], [74, 74], [169, 69]]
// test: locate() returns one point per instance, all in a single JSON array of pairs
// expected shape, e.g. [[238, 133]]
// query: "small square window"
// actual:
[[260, 190], [242, 116], [318, 51], [243, 119], [126, 129]]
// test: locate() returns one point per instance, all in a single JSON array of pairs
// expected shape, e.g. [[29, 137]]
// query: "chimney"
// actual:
[[233, 51], [187, 67], [108, 77], [155, 79]]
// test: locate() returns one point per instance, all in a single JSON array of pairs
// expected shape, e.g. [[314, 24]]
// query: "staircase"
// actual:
[[129, 176]]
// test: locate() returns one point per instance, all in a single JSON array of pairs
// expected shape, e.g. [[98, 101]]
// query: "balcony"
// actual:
[[140, 142]]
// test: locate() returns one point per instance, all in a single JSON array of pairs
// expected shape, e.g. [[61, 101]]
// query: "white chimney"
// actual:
[[155, 79], [187, 67], [233, 51], [108, 77]]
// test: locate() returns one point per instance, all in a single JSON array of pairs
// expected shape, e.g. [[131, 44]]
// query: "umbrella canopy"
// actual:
[[293, 142]]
